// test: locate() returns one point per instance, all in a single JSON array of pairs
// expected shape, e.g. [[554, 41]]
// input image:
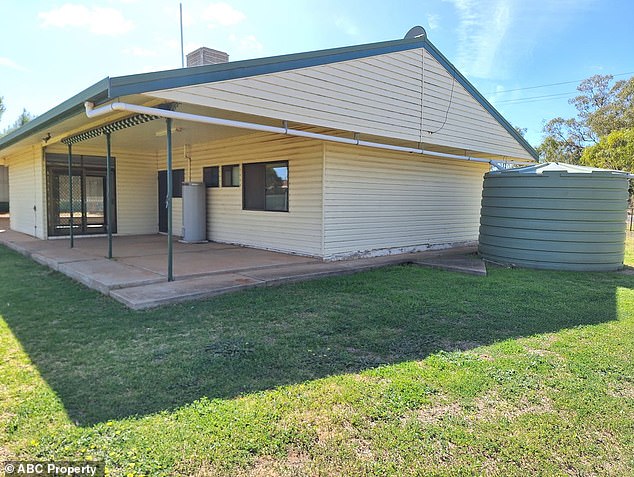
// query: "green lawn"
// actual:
[[399, 371]]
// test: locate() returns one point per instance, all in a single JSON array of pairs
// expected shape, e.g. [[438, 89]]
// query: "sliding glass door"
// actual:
[[88, 195]]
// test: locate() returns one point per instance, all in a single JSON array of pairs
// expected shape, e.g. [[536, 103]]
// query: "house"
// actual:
[[4, 190], [357, 151]]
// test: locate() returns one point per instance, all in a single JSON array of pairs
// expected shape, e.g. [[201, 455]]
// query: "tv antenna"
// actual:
[[182, 46]]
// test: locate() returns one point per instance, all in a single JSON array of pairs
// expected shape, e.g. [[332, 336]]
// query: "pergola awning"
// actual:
[[118, 125], [106, 130]]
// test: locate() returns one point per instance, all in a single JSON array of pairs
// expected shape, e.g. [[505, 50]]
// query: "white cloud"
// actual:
[[251, 43], [433, 21], [140, 52], [172, 13], [347, 26], [222, 14], [511, 91], [9, 63], [244, 47], [97, 20], [481, 32]]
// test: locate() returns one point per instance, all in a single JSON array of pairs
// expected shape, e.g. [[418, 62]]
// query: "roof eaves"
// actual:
[[95, 93], [155, 81], [429, 46]]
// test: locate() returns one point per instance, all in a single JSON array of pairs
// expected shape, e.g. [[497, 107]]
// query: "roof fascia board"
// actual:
[[453, 71], [72, 106], [148, 82]]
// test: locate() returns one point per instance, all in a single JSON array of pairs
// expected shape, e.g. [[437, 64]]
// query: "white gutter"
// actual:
[[91, 112]]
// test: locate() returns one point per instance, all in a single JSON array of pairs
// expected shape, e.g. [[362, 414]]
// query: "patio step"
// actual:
[[165, 293]]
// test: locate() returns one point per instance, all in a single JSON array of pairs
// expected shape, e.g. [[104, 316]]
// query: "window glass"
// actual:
[[231, 176], [211, 176], [276, 191], [265, 186]]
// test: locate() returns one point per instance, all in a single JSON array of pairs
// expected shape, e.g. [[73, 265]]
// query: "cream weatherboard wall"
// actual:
[[137, 193], [27, 192], [380, 202], [297, 231], [405, 95]]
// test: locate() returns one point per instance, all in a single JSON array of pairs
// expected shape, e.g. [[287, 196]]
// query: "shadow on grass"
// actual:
[[107, 362]]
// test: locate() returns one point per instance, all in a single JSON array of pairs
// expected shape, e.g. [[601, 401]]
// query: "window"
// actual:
[[211, 176], [178, 177], [231, 176], [265, 186]]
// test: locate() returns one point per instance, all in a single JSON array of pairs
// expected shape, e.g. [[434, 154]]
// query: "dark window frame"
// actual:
[[229, 182], [250, 197], [214, 180], [178, 177]]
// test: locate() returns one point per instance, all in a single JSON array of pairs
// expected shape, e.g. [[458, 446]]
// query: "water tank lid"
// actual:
[[558, 167]]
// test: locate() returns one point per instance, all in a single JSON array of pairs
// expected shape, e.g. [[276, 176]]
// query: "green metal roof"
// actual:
[[110, 88]]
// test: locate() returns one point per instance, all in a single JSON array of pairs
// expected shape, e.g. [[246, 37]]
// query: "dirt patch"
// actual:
[[489, 406], [435, 414], [268, 467], [621, 389]]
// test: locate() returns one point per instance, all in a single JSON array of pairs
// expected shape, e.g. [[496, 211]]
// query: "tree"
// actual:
[[616, 110], [23, 118], [564, 141], [2, 108], [614, 151], [601, 109]]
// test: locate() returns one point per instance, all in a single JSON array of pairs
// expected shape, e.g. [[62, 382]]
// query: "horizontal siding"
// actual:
[[26, 195], [177, 217], [137, 193], [297, 231], [379, 202], [380, 95], [468, 125]]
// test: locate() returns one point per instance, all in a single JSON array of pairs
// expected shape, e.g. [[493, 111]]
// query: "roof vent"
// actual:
[[206, 56]]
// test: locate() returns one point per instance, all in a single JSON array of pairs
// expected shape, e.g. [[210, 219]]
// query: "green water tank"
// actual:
[[554, 216]]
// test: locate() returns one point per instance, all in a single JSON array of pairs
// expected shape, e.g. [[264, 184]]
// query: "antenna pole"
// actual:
[[182, 47]]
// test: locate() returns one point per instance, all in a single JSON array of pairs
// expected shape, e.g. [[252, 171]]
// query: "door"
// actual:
[[59, 192], [89, 196], [162, 201], [94, 204], [178, 176]]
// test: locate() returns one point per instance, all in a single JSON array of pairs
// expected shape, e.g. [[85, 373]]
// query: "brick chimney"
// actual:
[[206, 56]]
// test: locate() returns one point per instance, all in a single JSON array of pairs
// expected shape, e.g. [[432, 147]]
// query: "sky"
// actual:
[[525, 56]]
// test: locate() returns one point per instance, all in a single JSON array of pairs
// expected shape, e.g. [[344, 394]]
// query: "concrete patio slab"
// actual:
[[149, 296], [105, 275], [54, 257], [20, 243], [308, 271], [206, 259], [455, 262], [137, 274]]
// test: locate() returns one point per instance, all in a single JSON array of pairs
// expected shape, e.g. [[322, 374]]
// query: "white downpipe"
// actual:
[[92, 112]]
